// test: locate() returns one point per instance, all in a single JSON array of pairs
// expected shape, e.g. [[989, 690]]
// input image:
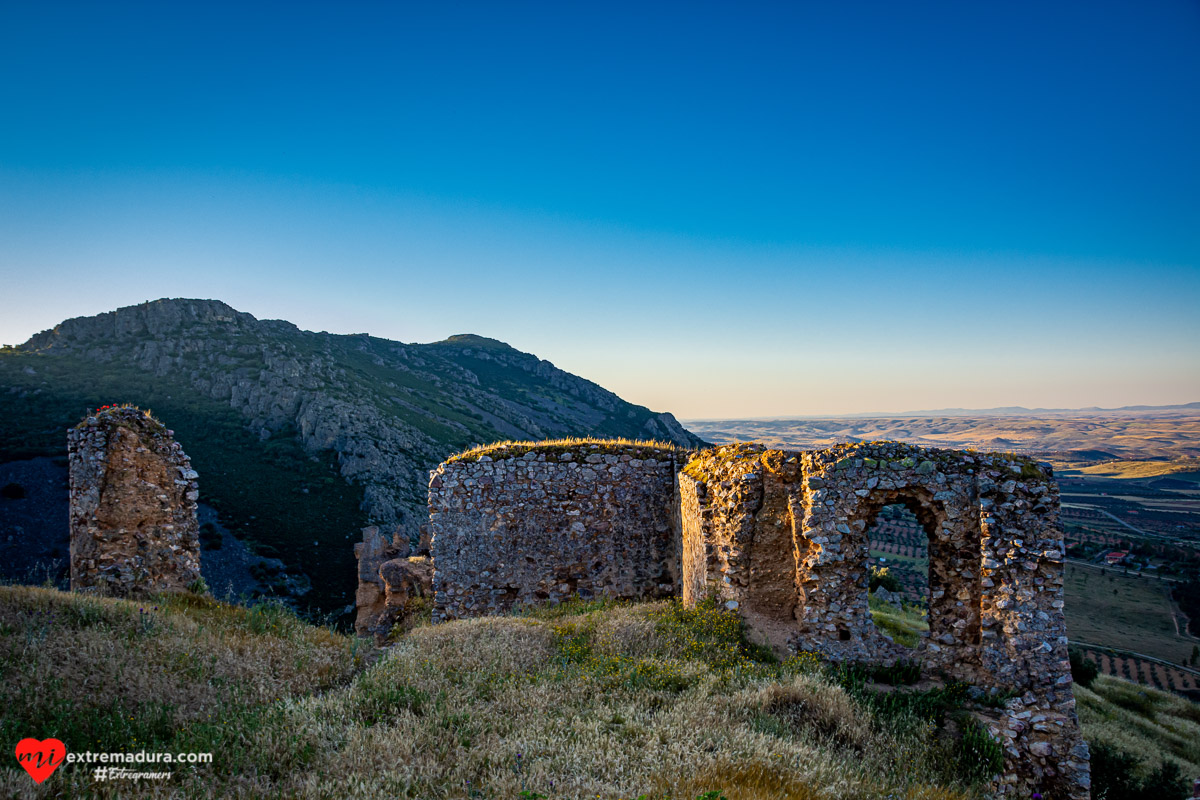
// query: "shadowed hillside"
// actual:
[[301, 438]]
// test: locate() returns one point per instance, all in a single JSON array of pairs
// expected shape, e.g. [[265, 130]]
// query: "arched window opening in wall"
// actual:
[[898, 569]]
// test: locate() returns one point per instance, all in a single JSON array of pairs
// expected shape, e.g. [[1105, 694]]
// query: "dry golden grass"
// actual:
[[137, 653], [494, 706], [609, 702], [516, 449], [807, 705], [1145, 722], [1133, 469], [107, 675]]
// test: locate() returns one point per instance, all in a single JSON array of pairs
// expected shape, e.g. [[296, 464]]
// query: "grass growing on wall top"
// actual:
[[585, 446], [706, 464]]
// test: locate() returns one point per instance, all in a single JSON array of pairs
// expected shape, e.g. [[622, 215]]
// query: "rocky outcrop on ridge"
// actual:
[[390, 411]]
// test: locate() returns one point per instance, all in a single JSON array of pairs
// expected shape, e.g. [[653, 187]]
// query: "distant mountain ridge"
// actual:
[[390, 410], [1000, 411], [1157, 435], [383, 413]]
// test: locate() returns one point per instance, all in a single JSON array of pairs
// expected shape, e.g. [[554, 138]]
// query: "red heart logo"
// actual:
[[40, 759]]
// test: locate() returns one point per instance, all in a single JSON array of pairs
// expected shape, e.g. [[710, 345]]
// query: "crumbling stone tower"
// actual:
[[782, 537], [134, 530]]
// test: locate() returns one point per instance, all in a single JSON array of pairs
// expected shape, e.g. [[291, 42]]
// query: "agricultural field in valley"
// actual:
[[1130, 612], [1145, 671], [899, 543]]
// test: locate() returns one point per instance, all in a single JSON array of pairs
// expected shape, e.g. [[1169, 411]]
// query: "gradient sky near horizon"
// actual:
[[721, 210]]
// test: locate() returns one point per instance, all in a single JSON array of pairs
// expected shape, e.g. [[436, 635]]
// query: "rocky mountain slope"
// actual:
[[274, 412]]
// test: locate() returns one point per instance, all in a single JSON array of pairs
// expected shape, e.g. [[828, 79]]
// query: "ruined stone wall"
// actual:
[[782, 537], [391, 581], [1024, 633], [515, 526], [736, 515], [133, 506], [843, 491]]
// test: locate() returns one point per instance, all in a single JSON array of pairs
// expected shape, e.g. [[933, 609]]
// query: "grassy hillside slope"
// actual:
[[583, 701], [1150, 726], [611, 701]]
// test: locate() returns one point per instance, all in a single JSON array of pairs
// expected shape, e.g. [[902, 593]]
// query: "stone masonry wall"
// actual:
[[516, 526], [133, 521], [782, 537]]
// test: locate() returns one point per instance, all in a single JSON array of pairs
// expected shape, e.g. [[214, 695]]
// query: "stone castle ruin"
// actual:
[[511, 526], [779, 536], [782, 537], [133, 521]]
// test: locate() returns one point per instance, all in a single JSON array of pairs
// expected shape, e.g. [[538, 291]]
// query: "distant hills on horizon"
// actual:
[[1000, 411], [1164, 434]]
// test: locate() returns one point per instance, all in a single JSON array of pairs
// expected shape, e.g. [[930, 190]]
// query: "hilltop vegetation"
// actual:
[[301, 438], [614, 701], [1145, 743]]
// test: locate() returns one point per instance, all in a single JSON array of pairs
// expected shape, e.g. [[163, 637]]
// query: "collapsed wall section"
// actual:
[[393, 585], [518, 525], [719, 499], [133, 521]]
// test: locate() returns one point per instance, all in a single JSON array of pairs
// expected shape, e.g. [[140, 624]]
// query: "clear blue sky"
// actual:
[[714, 209]]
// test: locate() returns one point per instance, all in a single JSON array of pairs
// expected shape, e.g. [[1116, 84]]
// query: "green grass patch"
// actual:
[[905, 625], [710, 633]]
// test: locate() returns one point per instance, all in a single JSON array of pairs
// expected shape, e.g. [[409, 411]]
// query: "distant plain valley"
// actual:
[[1130, 484]]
